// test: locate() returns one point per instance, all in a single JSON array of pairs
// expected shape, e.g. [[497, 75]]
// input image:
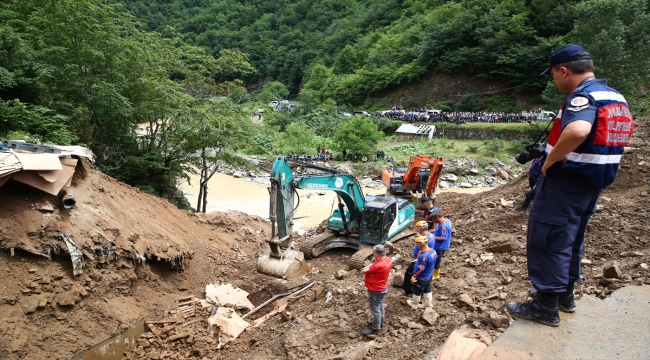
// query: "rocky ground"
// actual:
[[47, 312], [456, 173]]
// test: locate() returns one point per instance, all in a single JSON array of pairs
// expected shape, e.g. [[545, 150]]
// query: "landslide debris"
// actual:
[[48, 312]]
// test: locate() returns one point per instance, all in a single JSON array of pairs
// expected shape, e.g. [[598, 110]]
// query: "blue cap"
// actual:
[[425, 199], [567, 54]]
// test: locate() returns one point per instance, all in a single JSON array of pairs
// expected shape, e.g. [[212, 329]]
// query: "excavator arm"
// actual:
[[412, 175], [279, 259], [434, 176]]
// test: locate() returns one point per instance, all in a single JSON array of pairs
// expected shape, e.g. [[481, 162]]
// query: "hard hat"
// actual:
[[421, 225], [421, 240]]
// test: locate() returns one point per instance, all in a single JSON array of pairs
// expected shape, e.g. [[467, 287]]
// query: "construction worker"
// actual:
[[442, 236], [583, 151], [421, 279], [376, 281], [428, 209], [422, 228]]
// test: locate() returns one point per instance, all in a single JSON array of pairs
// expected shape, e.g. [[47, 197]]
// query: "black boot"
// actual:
[[566, 300], [543, 310], [380, 326], [370, 332]]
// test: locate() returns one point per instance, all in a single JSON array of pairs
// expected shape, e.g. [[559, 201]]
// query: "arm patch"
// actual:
[[579, 101]]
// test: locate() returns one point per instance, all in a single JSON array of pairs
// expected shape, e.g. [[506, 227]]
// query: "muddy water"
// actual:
[[114, 347], [228, 193]]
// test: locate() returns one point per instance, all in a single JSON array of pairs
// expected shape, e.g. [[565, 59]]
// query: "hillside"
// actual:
[[348, 50]]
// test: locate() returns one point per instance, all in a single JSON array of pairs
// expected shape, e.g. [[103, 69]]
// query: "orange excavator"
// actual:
[[418, 180]]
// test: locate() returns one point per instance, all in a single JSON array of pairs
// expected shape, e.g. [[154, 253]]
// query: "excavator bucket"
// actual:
[[291, 265]]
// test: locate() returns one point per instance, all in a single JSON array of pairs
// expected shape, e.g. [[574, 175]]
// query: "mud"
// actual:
[[46, 312]]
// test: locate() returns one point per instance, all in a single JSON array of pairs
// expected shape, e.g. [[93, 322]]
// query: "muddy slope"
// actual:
[[47, 312]]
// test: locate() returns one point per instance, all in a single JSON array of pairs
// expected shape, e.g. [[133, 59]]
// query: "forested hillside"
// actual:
[[156, 87], [348, 49]]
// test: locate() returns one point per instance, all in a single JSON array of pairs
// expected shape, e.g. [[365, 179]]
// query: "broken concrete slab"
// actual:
[[230, 325], [226, 295]]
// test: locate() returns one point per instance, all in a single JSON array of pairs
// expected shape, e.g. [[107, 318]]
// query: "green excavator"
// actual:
[[358, 223]]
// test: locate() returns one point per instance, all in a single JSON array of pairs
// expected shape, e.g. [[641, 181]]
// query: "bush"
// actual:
[[494, 145], [518, 145], [473, 149]]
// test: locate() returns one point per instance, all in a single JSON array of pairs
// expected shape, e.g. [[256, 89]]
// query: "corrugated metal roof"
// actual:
[[418, 130]]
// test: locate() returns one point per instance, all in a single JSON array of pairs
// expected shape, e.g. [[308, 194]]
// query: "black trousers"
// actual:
[[407, 279]]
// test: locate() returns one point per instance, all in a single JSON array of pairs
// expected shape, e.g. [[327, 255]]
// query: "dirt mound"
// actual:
[[137, 250]]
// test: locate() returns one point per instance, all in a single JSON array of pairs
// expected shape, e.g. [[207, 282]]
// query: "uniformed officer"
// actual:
[[583, 152]]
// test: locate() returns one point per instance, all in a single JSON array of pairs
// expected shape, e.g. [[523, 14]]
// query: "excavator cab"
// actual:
[[379, 219]]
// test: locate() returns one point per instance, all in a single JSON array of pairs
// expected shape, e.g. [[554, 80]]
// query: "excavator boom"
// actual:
[[279, 259]]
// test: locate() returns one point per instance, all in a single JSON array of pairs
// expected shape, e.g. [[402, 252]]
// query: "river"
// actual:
[[228, 193]]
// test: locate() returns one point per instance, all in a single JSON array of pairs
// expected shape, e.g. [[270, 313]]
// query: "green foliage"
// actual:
[[408, 149], [84, 72], [445, 105], [298, 138], [386, 125], [503, 103], [472, 148], [348, 50], [467, 103], [36, 123], [518, 145], [358, 136], [273, 91], [494, 146], [616, 33]]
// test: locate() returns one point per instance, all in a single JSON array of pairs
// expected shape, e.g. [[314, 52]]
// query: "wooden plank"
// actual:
[[164, 321]]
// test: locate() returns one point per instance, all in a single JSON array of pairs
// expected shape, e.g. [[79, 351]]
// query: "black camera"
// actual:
[[532, 151]]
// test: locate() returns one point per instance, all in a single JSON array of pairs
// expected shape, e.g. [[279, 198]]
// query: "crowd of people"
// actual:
[[323, 155], [418, 115]]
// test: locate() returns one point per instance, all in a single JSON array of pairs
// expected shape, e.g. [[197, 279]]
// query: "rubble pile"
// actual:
[[46, 311]]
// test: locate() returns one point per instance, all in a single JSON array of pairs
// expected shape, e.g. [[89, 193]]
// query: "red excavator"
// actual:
[[418, 180]]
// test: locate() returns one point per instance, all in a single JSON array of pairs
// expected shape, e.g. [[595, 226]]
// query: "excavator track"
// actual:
[[358, 259], [307, 247]]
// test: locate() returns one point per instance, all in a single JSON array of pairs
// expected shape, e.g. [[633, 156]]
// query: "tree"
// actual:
[[218, 128], [298, 138], [615, 32], [273, 91], [358, 136]]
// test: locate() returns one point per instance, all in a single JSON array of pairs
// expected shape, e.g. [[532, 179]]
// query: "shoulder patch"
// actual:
[[579, 101], [577, 108]]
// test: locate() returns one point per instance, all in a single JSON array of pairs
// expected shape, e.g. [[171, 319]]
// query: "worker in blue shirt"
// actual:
[[421, 279], [442, 235], [422, 228]]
